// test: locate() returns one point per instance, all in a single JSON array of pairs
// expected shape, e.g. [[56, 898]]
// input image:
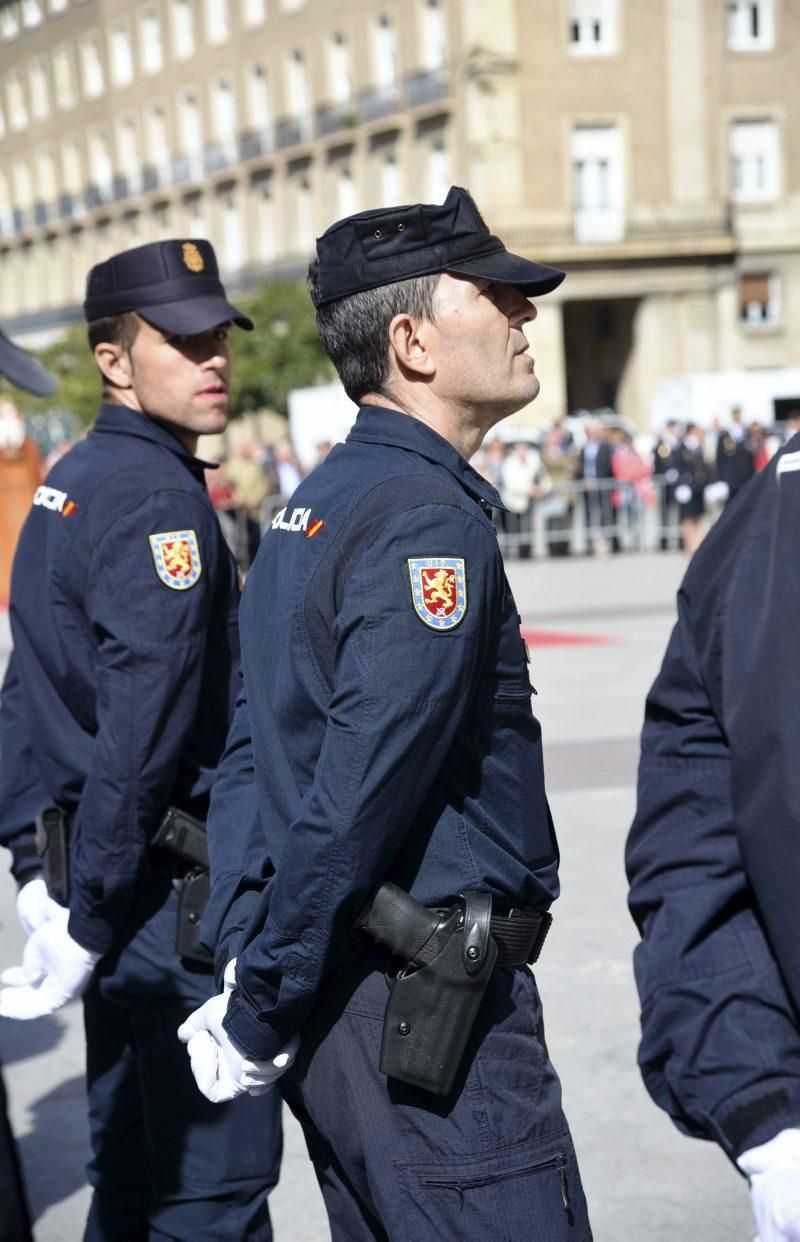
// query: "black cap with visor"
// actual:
[[174, 285], [377, 248]]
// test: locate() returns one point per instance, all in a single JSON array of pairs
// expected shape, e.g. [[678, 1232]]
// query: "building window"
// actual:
[[297, 88], [438, 172], [64, 77], [217, 21], [432, 34], [40, 89], [72, 166], [190, 125], [6, 212], [58, 6], [223, 111], [597, 183], [258, 106], [193, 205], [121, 54], [17, 103], [156, 137], [384, 43], [754, 161], [254, 12], [9, 21], [339, 80], [182, 29], [92, 67], [128, 160], [345, 191], [151, 52], [759, 298], [391, 181], [232, 239], [750, 25], [291, 6], [31, 13], [592, 27], [22, 182], [46, 176], [266, 238], [101, 167]]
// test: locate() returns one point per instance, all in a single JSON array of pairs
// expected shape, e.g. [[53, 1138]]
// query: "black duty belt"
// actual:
[[518, 934]]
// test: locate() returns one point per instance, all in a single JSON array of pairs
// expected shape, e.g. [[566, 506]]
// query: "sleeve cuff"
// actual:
[[756, 1116], [251, 1034], [91, 934], [24, 858]]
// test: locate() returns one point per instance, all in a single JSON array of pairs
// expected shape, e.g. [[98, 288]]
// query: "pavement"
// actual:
[[597, 630]]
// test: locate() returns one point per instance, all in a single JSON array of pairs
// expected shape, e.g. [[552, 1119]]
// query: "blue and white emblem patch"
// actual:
[[176, 555], [439, 590]]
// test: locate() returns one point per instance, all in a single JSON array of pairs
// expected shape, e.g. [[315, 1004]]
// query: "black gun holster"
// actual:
[[52, 846], [183, 836], [434, 998]]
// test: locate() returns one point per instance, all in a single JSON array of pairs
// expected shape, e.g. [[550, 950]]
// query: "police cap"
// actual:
[[174, 285], [377, 248], [23, 370]]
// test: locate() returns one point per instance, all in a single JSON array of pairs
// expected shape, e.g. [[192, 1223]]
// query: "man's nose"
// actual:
[[522, 312]]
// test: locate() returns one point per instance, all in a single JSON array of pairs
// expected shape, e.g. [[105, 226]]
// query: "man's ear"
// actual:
[[409, 345], [114, 362]]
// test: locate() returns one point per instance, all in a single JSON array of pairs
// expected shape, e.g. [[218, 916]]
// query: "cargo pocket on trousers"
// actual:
[[510, 1196]]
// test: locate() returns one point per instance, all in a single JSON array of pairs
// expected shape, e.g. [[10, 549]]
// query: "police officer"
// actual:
[[690, 491], [714, 851], [115, 707], [666, 468], [26, 373], [385, 738], [734, 458]]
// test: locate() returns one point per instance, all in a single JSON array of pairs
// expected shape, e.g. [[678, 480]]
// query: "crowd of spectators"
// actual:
[[585, 485]]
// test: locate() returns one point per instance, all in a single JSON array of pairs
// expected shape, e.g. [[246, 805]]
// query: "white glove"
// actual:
[[35, 906], [220, 1070], [55, 970], [683, 493], [774, 1173]]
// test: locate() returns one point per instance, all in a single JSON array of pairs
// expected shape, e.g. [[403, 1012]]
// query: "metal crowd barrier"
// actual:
[[576, 518]]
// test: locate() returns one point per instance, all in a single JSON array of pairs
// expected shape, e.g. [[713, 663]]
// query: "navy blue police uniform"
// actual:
[[385, 733], [714, 852], [25, 372], [116, 704]]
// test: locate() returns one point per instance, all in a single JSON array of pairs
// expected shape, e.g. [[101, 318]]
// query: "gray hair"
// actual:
[[354, 330]]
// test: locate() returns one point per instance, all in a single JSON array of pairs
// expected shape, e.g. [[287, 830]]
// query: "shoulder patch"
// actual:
[[788, 462], [176, 554], [439, 590]]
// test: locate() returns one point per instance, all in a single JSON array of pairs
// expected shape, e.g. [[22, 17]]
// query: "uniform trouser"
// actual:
[[493, 1160], [14, 1223], [167, 1163]]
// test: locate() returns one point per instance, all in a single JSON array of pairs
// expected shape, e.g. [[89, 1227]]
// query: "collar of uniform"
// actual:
[[376, 424], [122, 420]]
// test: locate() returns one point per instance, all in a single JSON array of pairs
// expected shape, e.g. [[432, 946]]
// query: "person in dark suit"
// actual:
[[665, 471], [693, 475], [595, 472], [734, 456]]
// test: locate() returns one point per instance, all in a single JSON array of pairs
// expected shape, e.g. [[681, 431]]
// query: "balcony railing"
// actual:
[[638, 222], [427, 87], [290, 131], [255, 142], [333, 117], [378, 102]]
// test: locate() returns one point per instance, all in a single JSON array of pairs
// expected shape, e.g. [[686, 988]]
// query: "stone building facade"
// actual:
[[652, 148]]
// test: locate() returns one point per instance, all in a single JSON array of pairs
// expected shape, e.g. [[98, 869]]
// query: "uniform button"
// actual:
[[193, 916], [404, 1028], [473, 953]]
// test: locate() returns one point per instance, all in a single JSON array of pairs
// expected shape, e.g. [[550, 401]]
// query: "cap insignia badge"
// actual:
[[176, 554], [192, 257], [439, 590]]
